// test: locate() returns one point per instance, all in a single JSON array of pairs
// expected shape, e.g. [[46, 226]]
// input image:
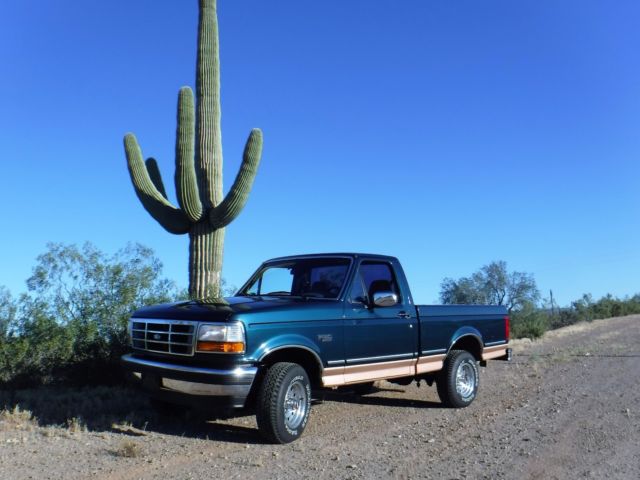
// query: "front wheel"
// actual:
[[458, 381], [284, 402]]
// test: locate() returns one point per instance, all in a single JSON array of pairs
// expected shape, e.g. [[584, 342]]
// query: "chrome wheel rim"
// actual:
[[465, 380], [295, 405]]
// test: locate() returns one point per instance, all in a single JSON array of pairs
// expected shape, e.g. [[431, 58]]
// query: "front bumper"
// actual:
[[184, 383]]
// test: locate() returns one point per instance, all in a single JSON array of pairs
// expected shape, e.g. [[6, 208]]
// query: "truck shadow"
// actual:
[[377, 400], [120, 410], [198, 425], [129, 411]]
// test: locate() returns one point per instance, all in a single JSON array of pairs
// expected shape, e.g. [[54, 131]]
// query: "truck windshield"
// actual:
[[314, 278]]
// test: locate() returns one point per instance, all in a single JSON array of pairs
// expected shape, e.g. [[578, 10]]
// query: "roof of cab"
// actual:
[[338, 254]]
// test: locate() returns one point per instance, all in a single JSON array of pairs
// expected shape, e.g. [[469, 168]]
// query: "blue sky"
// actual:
[[447, 133]]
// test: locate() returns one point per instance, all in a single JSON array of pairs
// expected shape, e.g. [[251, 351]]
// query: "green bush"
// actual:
[[586, 309], [70, 327], [529, 322]]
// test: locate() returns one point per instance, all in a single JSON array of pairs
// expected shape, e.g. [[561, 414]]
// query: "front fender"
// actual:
[[286, 341]]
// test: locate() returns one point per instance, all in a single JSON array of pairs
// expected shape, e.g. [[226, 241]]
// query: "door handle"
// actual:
[[404, 314]]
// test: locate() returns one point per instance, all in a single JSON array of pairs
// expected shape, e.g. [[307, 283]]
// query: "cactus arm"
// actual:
[[154, 174], [185, 177], [235, 200], [170, 218]]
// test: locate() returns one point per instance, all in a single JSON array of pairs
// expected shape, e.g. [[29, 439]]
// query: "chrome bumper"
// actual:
[[198, 381]]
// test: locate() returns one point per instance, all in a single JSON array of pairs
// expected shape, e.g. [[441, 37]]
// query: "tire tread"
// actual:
[[444, 385], [267, 402]]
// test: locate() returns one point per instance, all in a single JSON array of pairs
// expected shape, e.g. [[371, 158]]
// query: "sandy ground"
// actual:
[[567, 407]]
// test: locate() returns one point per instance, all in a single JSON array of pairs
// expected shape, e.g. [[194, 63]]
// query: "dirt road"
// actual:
[[567, 407]]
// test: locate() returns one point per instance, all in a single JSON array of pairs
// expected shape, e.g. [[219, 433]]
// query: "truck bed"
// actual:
[[442, 325]]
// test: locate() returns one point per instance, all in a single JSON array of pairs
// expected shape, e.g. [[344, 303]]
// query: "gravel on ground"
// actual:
[[566, 407]]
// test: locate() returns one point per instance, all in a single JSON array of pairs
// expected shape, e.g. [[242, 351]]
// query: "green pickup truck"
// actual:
[[311, 322]]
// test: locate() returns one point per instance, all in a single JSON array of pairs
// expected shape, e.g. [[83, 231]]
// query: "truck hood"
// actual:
[[219, 310]]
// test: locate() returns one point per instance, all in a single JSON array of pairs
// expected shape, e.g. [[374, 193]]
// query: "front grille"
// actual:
[[163, 336]]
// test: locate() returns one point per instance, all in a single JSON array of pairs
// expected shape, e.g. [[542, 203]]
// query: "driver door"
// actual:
[[380, 342]]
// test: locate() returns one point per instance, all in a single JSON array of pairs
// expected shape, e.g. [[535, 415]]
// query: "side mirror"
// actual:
[[385, 299]]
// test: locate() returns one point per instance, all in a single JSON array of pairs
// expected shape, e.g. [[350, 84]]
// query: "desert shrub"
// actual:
[[128, 449], [16, 418], [586, 309], [71, 325], [564, 317], [610, 306], [529, 322]]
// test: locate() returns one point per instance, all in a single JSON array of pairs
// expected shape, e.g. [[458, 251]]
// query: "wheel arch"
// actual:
[[468, 339], [303, 356]]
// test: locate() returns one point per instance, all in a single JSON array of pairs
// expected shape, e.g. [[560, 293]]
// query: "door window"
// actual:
[[377, 277]]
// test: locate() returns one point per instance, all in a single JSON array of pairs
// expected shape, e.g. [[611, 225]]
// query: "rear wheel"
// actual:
[[284, 402], [458, 381]]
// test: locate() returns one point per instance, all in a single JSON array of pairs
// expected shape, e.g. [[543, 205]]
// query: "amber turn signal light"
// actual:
[[221, 347]]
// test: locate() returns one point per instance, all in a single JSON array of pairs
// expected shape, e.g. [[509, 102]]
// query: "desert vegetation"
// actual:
[[70, 326], [531, 316], [69, 329]]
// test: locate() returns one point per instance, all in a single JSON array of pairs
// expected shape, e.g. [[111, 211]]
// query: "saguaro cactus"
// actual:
[[203, 213]]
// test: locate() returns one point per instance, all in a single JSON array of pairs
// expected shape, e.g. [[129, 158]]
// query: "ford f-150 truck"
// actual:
[[309, 322]]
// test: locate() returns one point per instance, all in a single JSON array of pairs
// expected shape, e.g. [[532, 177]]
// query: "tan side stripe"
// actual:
[[432, 363], [494, 352], [379, 371], [335, 376], [494, 348], [370, 371]]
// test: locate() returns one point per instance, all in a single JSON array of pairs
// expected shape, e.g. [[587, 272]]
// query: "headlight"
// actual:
[[221, 338]]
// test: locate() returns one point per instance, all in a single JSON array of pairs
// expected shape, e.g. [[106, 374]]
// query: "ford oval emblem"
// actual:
[[156, 336]]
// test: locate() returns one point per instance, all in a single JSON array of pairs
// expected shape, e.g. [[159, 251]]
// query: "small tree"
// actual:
[[493, 284]]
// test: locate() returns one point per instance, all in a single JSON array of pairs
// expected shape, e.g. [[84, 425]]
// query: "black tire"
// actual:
[[363, 388], [455, 391], [277, 422]]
